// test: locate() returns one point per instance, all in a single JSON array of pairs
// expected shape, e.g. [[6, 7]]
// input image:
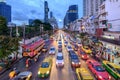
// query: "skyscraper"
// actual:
[[72, 13], [51, 14], [46, 10], [5, 11]]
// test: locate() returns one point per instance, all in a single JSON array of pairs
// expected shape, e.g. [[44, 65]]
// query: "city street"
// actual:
[[65, 73]]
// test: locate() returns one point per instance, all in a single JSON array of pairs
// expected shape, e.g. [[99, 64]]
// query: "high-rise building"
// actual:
[[5, 11], [51, 14], [72, 13], [46, 10], [90, 7]]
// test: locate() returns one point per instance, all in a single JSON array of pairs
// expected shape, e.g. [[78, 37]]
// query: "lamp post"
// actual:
[[10, 25], [24, 32]]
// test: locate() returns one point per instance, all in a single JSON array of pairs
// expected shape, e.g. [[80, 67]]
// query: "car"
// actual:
[[75, 47], [45, 48], [83, 55], [83, 74], [59, 60], [112, 69], [79, 44], [75, 62], [52, 50], [86, 49], [69, 48], [25, 75], [65, 43], [98, 70], [60, 48], [45, 68], [71, 52], [59, 42]]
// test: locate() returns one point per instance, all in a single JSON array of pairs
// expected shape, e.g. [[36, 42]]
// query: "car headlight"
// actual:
[[47, 72], [79, 63], [38, 72], [73, 63]]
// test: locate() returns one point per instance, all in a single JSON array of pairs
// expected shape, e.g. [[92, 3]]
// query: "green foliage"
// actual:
[[3, 26], [8, 45], [47, 27]]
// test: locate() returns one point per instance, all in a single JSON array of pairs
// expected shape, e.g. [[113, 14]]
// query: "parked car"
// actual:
[[83, 74], [112, 68], [98, 70], [45, 68]]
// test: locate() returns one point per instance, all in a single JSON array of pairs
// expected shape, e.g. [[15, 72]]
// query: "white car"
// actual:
[[59, 42], [69, 48], [52, 50], [59, 60], [79, 44]]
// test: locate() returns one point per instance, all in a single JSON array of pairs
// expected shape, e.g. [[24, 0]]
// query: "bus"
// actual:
[[32, 49]]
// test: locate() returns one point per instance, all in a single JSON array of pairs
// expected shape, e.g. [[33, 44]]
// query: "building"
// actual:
[[46, 10], [71, 15], [51, 14], [5, 11], [53, 21], [90, 12], [31, 21]]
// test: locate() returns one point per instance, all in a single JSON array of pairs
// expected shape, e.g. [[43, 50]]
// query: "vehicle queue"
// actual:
[[76, 52]]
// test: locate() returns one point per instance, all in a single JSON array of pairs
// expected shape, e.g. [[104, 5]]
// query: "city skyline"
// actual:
[[35, 9]]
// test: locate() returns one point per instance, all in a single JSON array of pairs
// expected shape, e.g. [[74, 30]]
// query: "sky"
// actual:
[[23, 10]]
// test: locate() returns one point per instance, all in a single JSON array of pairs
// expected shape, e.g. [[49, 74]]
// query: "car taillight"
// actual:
[[100, 77], [109, 77]]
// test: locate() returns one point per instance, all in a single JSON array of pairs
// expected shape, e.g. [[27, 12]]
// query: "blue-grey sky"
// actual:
[[22, 10]]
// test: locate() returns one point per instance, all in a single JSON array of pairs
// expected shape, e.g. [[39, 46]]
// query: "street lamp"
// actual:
[[24, 32], [10, 25]]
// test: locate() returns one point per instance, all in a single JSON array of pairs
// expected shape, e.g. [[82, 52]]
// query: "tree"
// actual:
[[3, 26], [8, 46]]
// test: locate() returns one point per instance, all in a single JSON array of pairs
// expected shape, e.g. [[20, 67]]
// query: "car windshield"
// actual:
[[118, 70], [69, 47], [45, 65], [60, 46], [66, 42], [52, 49], [99, 68], [82, 52], [74, 57], [59, 42], [59, 57]]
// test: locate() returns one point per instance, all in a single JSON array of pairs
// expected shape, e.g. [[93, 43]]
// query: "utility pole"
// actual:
[[24, 32]]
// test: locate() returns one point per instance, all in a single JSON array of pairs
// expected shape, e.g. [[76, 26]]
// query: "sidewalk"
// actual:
[[5, 69]]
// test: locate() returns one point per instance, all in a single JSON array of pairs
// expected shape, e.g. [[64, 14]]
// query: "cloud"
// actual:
[[22, 10]]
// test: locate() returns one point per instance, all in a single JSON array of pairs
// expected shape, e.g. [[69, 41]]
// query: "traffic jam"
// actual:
[[65, 58]]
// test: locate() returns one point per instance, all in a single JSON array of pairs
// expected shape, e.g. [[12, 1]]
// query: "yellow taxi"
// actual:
[[45, 68], [112, 68], [86, 49], [83, 74]]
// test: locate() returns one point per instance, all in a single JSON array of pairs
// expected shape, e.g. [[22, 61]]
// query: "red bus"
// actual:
[[31, 50]]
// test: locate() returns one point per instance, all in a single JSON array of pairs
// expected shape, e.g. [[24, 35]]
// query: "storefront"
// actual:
[[111, 53]]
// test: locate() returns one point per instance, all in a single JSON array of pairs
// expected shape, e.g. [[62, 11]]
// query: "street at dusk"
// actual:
[[60, 40]]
